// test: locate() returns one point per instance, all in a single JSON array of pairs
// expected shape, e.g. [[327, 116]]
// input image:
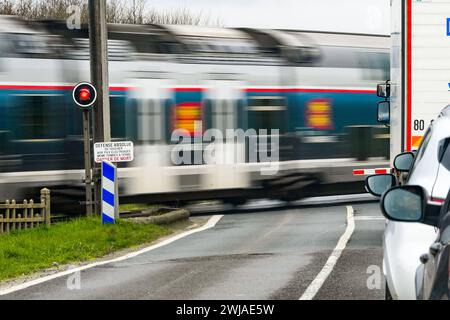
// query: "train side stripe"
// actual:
[[310, 90], [53, 87], [193, 89], [34, 87]]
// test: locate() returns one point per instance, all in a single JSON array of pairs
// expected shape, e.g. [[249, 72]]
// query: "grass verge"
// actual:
[[78, 240], [136, 206]]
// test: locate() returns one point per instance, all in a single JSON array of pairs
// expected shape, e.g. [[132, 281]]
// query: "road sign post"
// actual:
[[85, 95], [110, 193], [98, 43]]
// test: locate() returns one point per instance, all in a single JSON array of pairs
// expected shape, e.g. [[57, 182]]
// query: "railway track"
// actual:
[[214, 207]]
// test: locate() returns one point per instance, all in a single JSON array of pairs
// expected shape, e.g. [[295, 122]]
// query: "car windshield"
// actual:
[[421, 151], [445, 215]]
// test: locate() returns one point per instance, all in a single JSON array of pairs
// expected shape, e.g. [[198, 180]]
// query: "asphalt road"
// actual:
[[252, 255]]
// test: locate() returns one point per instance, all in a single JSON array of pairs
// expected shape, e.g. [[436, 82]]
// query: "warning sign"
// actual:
[[119, 151]]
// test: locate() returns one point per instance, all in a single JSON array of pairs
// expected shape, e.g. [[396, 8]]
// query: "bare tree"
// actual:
[[118, 11], [6, 7]]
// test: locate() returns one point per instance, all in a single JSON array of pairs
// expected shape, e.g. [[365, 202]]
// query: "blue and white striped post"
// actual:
[[110, 193]]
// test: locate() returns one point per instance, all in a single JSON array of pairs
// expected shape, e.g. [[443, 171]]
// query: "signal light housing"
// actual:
[[84, 94]]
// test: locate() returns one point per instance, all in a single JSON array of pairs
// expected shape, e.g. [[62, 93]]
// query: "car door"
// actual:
[[436, 285]]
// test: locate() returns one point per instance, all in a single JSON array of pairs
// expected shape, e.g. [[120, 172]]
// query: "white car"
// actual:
[[403, 242]]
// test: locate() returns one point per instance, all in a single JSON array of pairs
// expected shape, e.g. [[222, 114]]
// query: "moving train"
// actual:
[[301, 95]]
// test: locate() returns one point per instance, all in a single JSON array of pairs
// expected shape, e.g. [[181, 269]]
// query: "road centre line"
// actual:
[[369, 218]]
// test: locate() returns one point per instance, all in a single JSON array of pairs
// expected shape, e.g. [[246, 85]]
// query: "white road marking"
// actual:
[[368, 218], [210, 224], [317, 283]]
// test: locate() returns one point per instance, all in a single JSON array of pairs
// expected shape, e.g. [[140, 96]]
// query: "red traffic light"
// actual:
[[84, 94]]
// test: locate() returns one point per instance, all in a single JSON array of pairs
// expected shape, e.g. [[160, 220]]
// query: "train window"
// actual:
[[301, 54], [144, 45], [266, 104], [171, 48], [118, 50], [266, 43], [39, 117], [267, 113], [223, 112], [118, 116], [150, 118], [34, 45], [376, 63], [202, 47], [6, 46], [337, 57], [143, 114], [357, 58], [156, 120], [29, 44], [219, 45]]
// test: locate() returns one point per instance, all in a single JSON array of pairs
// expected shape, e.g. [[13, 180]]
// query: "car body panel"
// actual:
[[434, 282], [404, 242]]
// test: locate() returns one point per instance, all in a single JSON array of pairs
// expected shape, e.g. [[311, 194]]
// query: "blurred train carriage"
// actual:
[[314, 87]]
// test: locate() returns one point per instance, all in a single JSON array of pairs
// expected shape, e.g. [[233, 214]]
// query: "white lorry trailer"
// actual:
[[420, 70]]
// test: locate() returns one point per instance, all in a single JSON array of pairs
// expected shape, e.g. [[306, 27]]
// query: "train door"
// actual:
[[267, 118], [147, 117], [224, 100], [186, 126]]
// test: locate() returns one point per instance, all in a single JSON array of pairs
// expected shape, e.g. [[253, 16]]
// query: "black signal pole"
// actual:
[[85, 95], [87, 161], [98, 41]]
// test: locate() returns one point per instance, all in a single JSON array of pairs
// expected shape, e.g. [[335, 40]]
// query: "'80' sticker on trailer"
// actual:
[[427, 50]]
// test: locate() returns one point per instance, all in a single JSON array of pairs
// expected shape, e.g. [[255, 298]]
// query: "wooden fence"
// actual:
[[18, 216]]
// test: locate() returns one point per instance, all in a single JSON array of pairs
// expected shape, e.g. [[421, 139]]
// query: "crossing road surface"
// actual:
[[254, 255]]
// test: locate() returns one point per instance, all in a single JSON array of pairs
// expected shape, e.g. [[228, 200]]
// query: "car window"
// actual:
[[421, 151], [445, 229], [446, 158], [444, 220]]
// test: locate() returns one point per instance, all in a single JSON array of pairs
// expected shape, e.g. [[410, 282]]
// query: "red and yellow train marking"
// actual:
[[186, 116], [319, 114]]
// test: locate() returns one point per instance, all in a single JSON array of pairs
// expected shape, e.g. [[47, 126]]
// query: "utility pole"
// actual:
[[98, 41]]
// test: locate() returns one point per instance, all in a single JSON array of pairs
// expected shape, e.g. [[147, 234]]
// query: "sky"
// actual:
[[359, 16]]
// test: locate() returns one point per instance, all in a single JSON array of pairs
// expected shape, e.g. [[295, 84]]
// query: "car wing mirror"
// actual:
[[384, 90], [379, 183], [404, 161], [404, 204], [384, 112]]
